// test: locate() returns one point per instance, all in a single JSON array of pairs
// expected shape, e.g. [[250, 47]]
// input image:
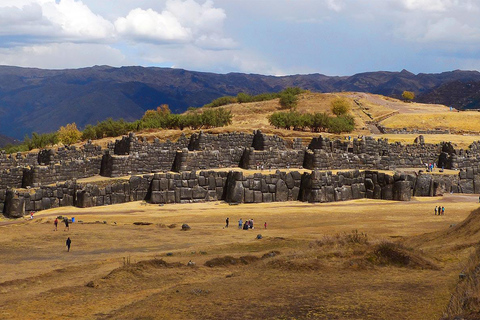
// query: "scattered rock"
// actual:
[[142, 223], [92, 284]]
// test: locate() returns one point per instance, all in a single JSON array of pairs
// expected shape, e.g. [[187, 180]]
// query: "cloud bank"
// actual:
[[272, 37]]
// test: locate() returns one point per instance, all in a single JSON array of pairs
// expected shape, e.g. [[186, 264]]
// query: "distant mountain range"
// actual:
[[36, 100]]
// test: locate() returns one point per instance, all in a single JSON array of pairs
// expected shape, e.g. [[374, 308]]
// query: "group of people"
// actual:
[[439, 211], [245, 226], [65, 220]]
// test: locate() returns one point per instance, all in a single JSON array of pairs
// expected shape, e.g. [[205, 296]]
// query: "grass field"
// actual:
[[320, 267]]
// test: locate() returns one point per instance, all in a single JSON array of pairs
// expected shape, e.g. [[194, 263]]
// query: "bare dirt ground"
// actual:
[[321, 269]]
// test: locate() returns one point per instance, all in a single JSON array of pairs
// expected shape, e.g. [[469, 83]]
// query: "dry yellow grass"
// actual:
[[467, 121], [40, 280]]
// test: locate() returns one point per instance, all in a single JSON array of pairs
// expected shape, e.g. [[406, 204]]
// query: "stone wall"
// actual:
[[11, 178], [65, 170], [235, 187], [257, 188], [224, 141], [188, 187], [272, 159], [186, 160]]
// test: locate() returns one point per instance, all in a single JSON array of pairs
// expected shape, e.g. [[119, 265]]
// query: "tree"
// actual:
[[288, 100], [69, 134], [408, 96], [340, 106]]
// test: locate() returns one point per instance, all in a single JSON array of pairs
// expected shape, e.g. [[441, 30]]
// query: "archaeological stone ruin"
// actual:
[[183, 171]]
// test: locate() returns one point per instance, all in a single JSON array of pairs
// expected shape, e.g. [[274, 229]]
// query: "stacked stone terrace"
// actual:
[[175, 172]]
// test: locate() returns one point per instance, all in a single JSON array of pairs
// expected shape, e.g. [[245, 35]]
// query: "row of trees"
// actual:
[[288, 98], [317, 122], [161, 118]]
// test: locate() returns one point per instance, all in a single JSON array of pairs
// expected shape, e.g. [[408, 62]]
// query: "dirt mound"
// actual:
[[296, 265], [389, 253], [139, 268], [231, 261]]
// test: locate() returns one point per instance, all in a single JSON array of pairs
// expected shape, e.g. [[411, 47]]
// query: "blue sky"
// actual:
[[275, 37]]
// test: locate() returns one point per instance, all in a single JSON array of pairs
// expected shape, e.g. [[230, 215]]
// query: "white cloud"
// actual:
[[152, 26], [180, 22], [335, 5], [65, 20], [63, 55]]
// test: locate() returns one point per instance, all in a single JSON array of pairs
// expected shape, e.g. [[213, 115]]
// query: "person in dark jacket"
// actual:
[[68, 243]]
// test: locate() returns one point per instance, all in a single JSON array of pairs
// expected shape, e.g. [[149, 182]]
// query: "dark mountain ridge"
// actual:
[[42, 100]]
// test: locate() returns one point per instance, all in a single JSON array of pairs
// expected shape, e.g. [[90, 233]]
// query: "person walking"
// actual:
[[226, 223], [55, 223], [68, 243], [67, 227]]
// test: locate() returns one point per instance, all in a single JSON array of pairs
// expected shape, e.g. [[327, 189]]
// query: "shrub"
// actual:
[[69, 134], [341, 124], [222, 101], [340, 106], [319, 121], [408, 95], [40, 140], [288, 100]]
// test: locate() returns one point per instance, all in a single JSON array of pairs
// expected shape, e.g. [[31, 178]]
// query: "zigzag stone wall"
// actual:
[[154, 160]]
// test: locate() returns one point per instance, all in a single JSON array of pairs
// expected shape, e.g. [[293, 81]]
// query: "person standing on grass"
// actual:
[[265, 224], [443, 211], [67, 227], [240, 223], [436, 208], [226, 222], [55, 223], [68, 243]]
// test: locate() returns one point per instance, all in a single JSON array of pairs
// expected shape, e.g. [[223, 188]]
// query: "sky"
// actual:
[[272, 37]]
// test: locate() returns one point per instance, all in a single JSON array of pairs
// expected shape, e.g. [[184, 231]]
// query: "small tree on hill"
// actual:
[[408, 96], [288, 100], [69, 134], [340, 106]]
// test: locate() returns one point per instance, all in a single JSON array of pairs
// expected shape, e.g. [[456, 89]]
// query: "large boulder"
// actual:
[[14, 205], [422, 186], [282, 191], [235, 192], [402, 191]]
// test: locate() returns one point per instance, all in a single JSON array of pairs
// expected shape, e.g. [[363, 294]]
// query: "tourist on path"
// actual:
[[68, 243], [55, 223]]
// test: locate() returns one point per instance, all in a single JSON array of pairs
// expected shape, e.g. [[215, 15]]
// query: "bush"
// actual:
[[69, 134], [319, 121], [340, 106], [408, 95], [288, 100], [341, 124], [40, 140], [222, 101]]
